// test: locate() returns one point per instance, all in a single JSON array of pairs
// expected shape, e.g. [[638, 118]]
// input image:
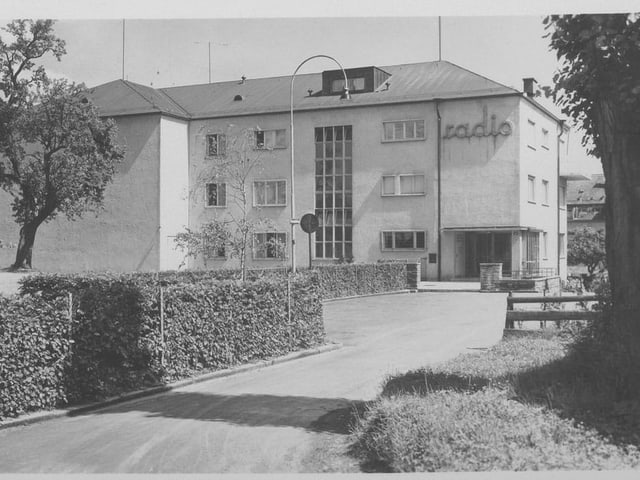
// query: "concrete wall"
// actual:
[[174, 189], [121, 237]]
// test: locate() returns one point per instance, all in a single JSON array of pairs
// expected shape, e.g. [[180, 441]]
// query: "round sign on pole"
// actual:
[[309, 223]]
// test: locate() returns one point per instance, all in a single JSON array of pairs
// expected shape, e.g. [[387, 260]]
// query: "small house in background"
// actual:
[[586, 203]]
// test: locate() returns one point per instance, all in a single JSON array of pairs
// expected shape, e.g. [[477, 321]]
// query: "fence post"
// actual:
[[70, 312], [509, 323], [162, 326], [289, 300]]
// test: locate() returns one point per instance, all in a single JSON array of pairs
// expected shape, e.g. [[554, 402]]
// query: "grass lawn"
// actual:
[[525, 404]]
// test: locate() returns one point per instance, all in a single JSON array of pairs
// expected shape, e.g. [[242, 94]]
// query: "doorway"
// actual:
[[487, 247]]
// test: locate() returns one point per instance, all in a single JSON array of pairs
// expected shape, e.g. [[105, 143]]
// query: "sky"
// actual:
[[167, 43]]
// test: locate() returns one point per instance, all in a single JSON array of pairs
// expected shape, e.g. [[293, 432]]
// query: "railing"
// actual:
[[533, 272], [551, 315]]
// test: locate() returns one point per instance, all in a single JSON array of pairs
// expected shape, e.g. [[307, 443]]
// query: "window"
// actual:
[[563, 247], [216, 195], [403, 184], [355, 84], [334, 192], [563, 196], [270, 193], [214, 253], [545, 139], [545, 245], [269, 245], [545, 192], [531, 134], [216, 145], [532, 189], [403, 130], [269, 139], [404, 240]]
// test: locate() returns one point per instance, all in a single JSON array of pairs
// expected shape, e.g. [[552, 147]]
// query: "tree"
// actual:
[[598, 86], [587, 247], [230, 234], [58, 155]]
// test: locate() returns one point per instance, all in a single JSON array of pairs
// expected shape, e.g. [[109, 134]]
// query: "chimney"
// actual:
[[529, 87]]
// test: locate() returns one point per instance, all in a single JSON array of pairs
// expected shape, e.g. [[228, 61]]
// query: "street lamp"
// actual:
[[293, 220]]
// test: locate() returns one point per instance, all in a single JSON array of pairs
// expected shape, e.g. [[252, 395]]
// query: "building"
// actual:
[[585, 203], [427, 162]]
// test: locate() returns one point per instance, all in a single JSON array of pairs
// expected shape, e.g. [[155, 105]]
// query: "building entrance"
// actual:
[[487, 247]]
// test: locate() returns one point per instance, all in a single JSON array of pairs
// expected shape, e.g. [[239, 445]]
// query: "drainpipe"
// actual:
[[558, 195], [439, 162]]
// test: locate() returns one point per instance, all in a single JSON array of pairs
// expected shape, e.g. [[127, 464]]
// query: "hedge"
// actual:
[[113, 343], [115, 332], [360, 279], [34, 346]]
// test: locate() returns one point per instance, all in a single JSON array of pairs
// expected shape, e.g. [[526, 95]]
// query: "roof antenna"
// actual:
[[439, 39]]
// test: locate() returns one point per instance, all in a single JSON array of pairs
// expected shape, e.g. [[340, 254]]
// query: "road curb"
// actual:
[[394, 292], [41, 416]]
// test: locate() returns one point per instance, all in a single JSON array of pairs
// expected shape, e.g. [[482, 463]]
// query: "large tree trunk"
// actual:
[[621, 166], [25, 246]]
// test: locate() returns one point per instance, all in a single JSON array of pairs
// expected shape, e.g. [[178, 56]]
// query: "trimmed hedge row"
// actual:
[[115, 332], [34, 346], [348, 280]]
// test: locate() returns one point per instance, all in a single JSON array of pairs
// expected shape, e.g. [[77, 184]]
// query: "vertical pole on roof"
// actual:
[[123, 49], [439, 38], [209, 62]]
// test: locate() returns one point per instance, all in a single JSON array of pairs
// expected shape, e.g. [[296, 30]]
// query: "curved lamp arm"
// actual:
[[293, 220]]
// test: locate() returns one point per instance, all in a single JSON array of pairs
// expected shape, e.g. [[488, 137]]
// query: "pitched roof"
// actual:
[[586, 192], [121, 97], [409, 82]]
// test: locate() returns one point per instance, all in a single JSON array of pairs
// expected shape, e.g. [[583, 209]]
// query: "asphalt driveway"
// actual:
[[268, 420]]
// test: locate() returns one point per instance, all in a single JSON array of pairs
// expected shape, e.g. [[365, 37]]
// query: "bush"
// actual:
[[209, 324], [34, 347], [360, 279], [453, 431]]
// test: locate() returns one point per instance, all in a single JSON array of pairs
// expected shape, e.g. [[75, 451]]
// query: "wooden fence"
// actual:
[[548, 315]]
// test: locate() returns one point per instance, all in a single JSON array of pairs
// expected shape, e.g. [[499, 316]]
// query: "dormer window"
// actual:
[[361, 80], [355, 85]]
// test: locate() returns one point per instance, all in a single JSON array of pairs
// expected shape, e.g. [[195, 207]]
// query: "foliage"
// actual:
[[598, 86], [59, 155], [587, 247], [117, 346], [34, 347], [361, 279], [524, 404], [456, 431], [230, 233]]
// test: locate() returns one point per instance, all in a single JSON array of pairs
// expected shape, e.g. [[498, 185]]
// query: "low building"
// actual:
[[426, 162], [586, 203]]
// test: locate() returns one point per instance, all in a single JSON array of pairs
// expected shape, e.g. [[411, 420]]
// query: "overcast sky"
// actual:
[[167, 43]]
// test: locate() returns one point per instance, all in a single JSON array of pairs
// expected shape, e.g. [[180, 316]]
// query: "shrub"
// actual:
[[209, 324], [360, 279], [453, 431], [34, 346]]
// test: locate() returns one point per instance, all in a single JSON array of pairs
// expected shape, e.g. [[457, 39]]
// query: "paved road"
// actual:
[[265, 420]]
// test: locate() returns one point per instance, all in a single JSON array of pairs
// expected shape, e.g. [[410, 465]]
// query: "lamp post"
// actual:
[[293, 220]]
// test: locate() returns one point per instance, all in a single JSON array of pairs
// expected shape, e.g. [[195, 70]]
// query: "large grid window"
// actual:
[[403, 130], [403, 184], [269, 245], [269, 139], [333, 192], [216, 145], [270, 193], [216, 195], [404, 240]]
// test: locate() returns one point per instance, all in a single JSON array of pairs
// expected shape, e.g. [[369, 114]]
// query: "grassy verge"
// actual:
[[525, 404]]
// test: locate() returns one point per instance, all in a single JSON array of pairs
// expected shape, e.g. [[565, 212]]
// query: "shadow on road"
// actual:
[[333, 415]]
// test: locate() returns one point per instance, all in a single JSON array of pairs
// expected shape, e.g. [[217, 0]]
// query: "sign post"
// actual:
[[309, 224]]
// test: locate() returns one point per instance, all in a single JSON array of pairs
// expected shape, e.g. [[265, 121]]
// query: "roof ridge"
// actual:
[[174, 102], [479, 75], [131, 86]]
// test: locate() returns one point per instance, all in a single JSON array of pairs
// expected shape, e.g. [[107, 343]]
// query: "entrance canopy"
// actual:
[[492, 228]]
